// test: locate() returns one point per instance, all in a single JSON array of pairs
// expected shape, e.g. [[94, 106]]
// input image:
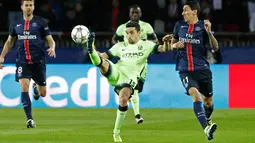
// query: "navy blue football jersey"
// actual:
[[193, 57], [30, 41]]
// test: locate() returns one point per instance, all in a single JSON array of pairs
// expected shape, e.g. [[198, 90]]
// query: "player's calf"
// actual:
[[39, 91], [124, 96], [208, 106], [42, 90]]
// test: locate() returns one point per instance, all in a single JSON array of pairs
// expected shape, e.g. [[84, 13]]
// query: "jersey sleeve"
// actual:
[[119, 33], [151, 48], [114, 51], [120, 30], [45, 29], [176, 30], [150, 32], [12, 31]]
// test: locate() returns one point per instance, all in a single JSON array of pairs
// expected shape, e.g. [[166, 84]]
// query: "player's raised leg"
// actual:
[[124, 95], [26, 102]]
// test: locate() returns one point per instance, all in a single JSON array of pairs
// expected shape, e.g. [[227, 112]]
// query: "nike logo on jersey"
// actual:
[[183, 26], [18, 25]]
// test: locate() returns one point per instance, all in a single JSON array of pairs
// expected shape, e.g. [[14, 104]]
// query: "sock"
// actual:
[[26, 104], [135, 102], [199, 112], [121, 114], [94, 57], [208, 111]]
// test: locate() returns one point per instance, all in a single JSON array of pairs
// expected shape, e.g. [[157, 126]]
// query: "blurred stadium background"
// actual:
[[74, 83]]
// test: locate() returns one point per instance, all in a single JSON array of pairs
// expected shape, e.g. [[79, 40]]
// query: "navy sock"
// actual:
[[199, 112], [26, 104], [208, 111]]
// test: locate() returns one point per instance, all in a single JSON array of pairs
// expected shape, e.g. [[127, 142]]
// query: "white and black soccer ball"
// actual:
[[80, 34]]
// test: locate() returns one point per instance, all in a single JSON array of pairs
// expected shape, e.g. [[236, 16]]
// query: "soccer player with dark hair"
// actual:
[[30, 33], [191, 39], [123, 75], [146, 33]]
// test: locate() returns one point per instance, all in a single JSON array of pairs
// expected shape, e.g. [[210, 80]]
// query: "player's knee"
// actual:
[[194, 93]]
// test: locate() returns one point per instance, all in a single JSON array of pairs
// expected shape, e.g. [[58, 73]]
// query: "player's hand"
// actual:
[[51, 52], [208, 26], [167, 38], [1, 62], [178, 45]]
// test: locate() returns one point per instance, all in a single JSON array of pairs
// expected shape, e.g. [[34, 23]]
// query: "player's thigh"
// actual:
[[23, 76], [205, 83], [42, 90], [39, 74], [188, 81], [24, 84], [125, 81], [113, 73], [125, 94]]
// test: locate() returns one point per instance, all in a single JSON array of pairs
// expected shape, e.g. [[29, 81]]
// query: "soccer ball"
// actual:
[[80, 34]]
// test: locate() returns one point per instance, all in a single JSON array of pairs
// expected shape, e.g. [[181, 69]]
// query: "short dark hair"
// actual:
[[22, 1], [194, 6], [133, 24], [134, 6]]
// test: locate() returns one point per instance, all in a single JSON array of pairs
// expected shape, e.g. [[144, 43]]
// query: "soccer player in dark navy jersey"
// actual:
[[192, 38], [30, 33]]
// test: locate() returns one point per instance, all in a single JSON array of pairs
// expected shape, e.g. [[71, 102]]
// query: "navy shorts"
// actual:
[[36, 71], [202, 80]]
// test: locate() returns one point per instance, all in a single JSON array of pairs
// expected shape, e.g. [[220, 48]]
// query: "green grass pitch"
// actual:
[[96, 125]]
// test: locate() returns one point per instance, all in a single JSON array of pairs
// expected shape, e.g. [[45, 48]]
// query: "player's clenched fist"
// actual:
[[207, 25], [167, 38]]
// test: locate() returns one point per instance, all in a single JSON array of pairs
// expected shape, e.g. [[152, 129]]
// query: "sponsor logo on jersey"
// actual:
[[189, 39], [132, 55], [27, 36]]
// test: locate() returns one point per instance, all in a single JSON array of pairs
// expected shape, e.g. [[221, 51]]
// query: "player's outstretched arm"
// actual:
[[213, 42], [167, 45], [52, 45], [7, 47]]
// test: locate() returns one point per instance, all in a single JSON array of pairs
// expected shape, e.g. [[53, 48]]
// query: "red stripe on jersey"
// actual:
[[189, 50], [26, 43]]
